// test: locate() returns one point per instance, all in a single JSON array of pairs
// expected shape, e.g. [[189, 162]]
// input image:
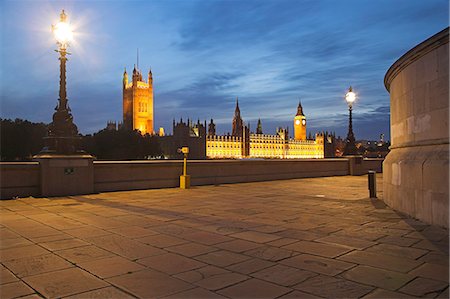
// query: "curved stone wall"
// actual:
[[416, 173]]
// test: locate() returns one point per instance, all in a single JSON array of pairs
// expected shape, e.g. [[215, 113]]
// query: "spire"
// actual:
[[237, 110], [238, 124], [259, 127], [137, 58], [300, 109]]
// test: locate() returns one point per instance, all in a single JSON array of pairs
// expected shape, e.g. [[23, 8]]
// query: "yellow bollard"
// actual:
[[185, 180]]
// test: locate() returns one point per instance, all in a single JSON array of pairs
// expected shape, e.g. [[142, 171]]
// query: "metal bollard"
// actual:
[[185, 179], [372, 184]]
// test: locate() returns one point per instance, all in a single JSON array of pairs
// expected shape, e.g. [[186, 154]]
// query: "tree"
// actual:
[[121, 145], [20, 139]]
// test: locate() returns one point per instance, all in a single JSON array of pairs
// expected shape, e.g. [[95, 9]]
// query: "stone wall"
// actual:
[[110, 176], [25, 179], [19, 179], [416, 178]]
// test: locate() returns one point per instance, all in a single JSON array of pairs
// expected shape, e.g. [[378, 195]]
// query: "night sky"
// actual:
[[204, 54]]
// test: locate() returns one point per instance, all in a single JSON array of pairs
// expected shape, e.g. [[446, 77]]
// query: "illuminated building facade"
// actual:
[[243, 144], [138, 102]]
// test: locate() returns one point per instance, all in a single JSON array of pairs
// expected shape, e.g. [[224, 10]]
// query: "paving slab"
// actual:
[[222, 258], [63, 244], [220, 281], [51, 238], [283, 275], [346, 241], [64, 283], [298, 294], [401, 251], [434, 257], [124, 246], [271, 253], [110, 266], [149, 284], [432, 271], [33, 265], [424, 287], [191, 249], [379, 260], [256, 237], [385, 279], [315, 248], [238, 245], [161, 240], [133, 231], [385, 294], [318, 264], [6, 276], [254, 288], [250, 266], [196, 293], [201, 273], [22, 251], [206, 238], [15, 290], [330, 287], [14, 242], [108, 292], [82, 254], [171, 263]]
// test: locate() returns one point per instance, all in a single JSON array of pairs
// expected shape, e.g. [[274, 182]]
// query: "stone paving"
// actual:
[[304, 238]]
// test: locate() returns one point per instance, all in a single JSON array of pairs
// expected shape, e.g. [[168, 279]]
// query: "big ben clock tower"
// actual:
[[300, 124]]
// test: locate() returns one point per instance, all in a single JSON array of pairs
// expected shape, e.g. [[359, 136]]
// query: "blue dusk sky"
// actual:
[[204, 54]]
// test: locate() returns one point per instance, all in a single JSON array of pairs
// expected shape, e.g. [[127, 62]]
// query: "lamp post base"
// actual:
[[61, 145], [63, 175]]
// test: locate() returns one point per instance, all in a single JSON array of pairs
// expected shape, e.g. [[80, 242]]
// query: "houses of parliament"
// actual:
[[202, 140]]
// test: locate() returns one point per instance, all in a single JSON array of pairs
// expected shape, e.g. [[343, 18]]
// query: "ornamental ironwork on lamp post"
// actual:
[[350, 147], [62, 137]]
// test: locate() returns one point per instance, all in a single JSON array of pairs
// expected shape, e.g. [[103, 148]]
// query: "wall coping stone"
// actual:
[[437, 40]]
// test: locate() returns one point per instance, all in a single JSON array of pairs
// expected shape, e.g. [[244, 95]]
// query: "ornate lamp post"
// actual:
[[350, 148], [62, 137]]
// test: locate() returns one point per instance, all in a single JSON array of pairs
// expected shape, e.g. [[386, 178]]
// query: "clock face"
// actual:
[[303, 121], [297, 122]]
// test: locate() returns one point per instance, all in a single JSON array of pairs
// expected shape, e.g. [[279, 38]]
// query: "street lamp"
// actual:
[[62, 137], [350, 148]]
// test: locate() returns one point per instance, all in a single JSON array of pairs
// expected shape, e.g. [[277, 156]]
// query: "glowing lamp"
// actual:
[[62, 31], [350, 148], [350, 97]]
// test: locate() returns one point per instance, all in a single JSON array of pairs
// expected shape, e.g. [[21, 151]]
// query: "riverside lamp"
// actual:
[[62, 136], [350, 147]]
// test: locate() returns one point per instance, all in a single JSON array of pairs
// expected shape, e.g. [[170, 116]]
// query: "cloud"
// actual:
[[205, 53]]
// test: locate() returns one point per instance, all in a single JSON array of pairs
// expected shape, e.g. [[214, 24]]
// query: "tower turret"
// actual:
[[125, 78], [212, 128], [135, 75], [150, 77]]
